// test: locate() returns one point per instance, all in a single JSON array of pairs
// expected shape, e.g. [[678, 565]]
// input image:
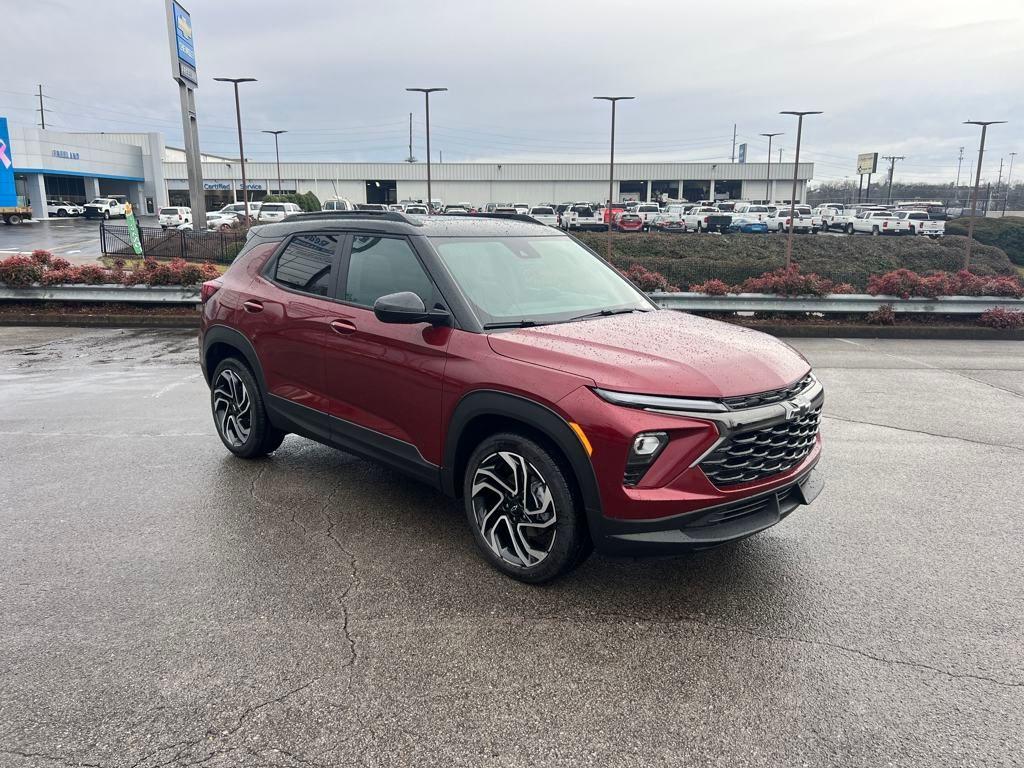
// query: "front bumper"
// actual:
[[709, 527]]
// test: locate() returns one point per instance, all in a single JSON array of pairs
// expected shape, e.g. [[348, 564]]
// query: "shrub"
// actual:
[[900, 282], [648, 280], [68, 276], [788, 281], [713, 287], [41, 257], [91, 274], [844, 288], [20, 271], [884, 315], [58, 263], [1005, 232], [1001, 318]]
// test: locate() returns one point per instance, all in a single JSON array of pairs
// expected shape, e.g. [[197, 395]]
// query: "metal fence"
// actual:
[[190, 245]]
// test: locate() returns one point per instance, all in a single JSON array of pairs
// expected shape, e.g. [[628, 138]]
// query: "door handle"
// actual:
[[252, 306], [343, 326]]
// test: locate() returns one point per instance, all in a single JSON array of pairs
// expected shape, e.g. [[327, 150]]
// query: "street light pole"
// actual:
[[977, 183], [277, 154], [796, 171], [426, 97], [611, 163], [768, 173], [241, 148]]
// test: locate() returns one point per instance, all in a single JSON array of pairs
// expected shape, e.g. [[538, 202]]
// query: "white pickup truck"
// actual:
[[843, 220], [875, 223], [648, 212], [704, 218], [107, 207], [582, 216], [919, 223], [778, 219], [828, 212]]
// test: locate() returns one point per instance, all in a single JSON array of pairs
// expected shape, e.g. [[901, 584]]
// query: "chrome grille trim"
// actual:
[[767, 398]]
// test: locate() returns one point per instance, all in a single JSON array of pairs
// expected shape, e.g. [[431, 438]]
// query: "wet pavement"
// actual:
[[75, 239], [163, 603]]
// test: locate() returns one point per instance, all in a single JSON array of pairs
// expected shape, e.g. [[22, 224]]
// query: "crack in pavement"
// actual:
[[923, 432], [770, 638], [71, 762]]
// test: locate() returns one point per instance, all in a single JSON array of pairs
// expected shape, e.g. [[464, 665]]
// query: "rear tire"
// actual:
[[526, 518], [239, 414], [824, 226], [61, 213], [875, 231], [849, 229], [14, 219]]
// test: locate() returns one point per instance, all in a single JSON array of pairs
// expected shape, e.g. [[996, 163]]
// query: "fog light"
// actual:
[[645, 449]]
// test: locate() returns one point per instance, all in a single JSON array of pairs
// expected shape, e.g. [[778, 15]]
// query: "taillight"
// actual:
[[705, 219], [209, 288]]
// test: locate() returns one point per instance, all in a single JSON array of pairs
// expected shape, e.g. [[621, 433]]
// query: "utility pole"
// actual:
[[892, 167], [42, 110], [732, 157], [977, 183], [426, 102], [611, 164], [959, 162], [999, 183], [1009, 175], [796, 170], [411, 158], [768, 173]]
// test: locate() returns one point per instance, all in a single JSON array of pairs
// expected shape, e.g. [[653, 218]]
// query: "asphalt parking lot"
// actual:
[[75, 239], [162, 603]]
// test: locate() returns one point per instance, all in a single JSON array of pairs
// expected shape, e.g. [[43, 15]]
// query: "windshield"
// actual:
[[534, 280], [101, 200], [168, 211]]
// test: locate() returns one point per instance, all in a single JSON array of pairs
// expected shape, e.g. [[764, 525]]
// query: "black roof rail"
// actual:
[[504, 216], [327, 215]]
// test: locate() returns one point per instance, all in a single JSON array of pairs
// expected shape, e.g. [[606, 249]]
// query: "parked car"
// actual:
[[748, 223], [507, 209], [828, 213], [752, 211], [416, 210], [627, 221], [107, 207], [874, 222], [174, 217], [254, 208], [505, 364], [670, 218], [778, 220], [582, 216], [648, 212], [918, 222], [545, 214], [338, 204], [806, 212], [705, 218], [371, 207], [62, 208], [270, 212], [609, 212], [220, 221]]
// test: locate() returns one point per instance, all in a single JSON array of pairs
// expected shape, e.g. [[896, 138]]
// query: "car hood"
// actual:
[[659, 353]]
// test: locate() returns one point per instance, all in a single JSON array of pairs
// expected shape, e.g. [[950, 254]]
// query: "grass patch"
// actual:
[[690, 258]]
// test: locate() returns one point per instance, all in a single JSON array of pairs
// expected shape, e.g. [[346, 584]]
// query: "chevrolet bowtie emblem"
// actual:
[[796, 408]]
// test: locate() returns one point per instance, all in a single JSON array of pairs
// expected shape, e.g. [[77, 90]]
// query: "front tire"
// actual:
[[239, 414], [526, 518]]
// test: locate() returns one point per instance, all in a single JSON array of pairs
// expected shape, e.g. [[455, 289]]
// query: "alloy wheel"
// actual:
[[232, 408], [513, 508]]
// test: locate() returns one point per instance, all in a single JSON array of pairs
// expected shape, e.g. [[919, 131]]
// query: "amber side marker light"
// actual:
[[582, 436]]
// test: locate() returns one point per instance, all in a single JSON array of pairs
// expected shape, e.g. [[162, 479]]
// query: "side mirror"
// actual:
[[406, 308]]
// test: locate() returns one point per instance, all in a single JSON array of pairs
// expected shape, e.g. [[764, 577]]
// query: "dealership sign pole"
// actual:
[[867, 163], [183, 71]]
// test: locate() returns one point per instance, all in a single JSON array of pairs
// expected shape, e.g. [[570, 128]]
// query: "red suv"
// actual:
[[503, 362]]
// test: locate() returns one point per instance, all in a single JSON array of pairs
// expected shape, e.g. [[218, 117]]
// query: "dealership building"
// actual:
[[78, 167]]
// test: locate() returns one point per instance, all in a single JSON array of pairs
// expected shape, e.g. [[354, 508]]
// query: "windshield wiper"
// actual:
[[512, 324], [606, 313]]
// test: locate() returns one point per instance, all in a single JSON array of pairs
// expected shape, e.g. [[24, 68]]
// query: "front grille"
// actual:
[[767, 398], [760, 453]]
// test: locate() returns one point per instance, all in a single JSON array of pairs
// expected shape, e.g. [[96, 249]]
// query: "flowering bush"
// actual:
[[46, 269], [648, 280], [906, 283], [844, 288], [713, 287], [1001, 318], [788, 281], [20, 271]]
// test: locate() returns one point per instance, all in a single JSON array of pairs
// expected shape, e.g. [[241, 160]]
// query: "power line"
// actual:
[[892, 167]]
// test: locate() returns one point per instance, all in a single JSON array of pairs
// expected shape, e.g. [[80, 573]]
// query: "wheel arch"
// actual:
[[482, 413], [220, 343]]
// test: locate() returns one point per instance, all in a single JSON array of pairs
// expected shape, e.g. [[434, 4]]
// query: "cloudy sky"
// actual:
[[897, 78]]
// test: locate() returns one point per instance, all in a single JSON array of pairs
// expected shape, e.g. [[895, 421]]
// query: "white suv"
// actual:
[[63, 208], [276, 211], [178, 217]]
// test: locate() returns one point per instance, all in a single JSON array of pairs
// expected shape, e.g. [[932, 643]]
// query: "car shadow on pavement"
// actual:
[[413, 550]]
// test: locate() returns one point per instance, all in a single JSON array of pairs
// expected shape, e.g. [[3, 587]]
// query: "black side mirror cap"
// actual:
[[406, 308]]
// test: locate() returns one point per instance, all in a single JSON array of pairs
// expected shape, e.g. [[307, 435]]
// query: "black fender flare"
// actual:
[[537, 416], [222, 334]]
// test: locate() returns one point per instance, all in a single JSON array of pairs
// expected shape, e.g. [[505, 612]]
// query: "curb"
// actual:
[[72, 320]]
